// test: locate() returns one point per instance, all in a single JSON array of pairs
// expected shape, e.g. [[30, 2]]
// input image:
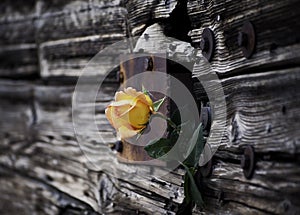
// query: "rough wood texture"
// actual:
[[277, 33], [270, 124], [45, 170], [53, 158], [143, 13], [257, 117], [128, 69], [81, 30], [18, 50]]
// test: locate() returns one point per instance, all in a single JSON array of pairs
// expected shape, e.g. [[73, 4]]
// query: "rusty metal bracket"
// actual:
[[207, 44], [248, 162], [131, 65], [247, 39]]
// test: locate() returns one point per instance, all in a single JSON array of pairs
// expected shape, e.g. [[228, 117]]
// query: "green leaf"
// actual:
[[158, 148], [173, 136], [195, 149], [144, 90], [194, 192], [186, 188], [185, 208], [157, 104], [176, 117]]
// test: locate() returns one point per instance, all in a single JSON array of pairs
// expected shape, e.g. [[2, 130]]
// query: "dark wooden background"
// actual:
[[45, 44]]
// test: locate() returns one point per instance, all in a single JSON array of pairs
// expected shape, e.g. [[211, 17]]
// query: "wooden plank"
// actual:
[[60, 64], [245, 85], [18, 51], [19, 61], [16, 110], [38, 196], [262, 110], [54, 102], [272, 190], [81, 30], [18, 31], [80, 34], [277, 34], [70, 170], [54, 158], [74, 20], [17, 22], [49, 168], [255, 117], [142, 13]]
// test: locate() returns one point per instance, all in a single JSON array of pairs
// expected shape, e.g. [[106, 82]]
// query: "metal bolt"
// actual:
[[246, 39], [204, 44], [245, 161], [206, 118], [248, 162], [242, 39], [207, 44]]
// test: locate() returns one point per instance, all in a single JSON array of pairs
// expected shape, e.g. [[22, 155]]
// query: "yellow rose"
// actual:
[[130, 112]]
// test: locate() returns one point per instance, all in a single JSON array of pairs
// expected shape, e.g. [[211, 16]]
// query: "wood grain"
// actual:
[[54, 141], [256, 116], [44, 45], [18, 49], [276, 33]]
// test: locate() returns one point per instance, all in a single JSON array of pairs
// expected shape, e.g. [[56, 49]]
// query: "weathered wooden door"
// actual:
[[251, 46]]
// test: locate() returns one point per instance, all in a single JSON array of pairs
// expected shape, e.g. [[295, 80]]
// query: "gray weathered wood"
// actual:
[[18, 48], [277, 33], [45, 170]]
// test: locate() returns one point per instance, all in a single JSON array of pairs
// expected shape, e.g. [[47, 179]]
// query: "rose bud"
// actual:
[[129, 114]]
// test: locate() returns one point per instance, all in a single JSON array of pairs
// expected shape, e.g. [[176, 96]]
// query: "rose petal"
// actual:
[[123, 96], [131, 96], [120, 103], [125, 132], [119, 111], [130, 112], [119, 120], [139, 115], [108, 114], [132, 92], [139, 96], [115, 121]]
